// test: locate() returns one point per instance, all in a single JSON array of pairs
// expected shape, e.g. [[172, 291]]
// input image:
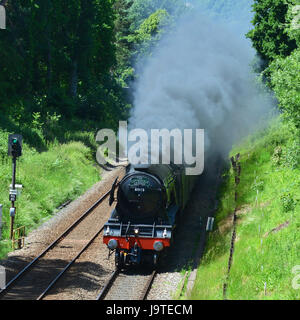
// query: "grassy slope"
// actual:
[[269, 195], [62, 172]]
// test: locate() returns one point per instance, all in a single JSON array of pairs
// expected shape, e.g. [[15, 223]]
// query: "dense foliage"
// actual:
[[57, 56], [268, 202], [267, 244], [286, 84], [276, 37], [73, 59], [142, 9], [269, 37]]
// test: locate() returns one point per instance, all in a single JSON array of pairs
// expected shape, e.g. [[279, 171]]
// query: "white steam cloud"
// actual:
[[199, 76]]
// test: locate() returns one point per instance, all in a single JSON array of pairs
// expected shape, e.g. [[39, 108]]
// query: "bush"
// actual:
[[287, 202], [276, 158], [257, 185], [291, 155], [285, 80]]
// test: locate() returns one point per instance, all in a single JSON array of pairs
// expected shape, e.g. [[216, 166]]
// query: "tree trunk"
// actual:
[[49, 67], [74, 79]]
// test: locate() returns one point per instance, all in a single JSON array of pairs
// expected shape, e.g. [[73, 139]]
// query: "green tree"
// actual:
[[285, 80], [293, 21], [54, 51], [151, 27], [123, 68], [142, 9], [122, 25], [269, 36], [147, 36]]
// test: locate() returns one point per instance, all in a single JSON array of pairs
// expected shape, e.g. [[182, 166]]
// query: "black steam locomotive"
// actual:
[[149, 201]]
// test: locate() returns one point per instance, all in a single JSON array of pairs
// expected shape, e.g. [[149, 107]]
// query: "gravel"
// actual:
[[189, 241], [87, 276], [40, 238]]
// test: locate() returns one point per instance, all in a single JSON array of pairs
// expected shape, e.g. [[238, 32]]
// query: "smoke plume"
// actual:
[[199, 76]]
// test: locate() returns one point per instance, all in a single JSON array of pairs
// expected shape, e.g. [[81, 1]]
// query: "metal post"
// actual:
[[236, 165], [1, 221], [12, 217]]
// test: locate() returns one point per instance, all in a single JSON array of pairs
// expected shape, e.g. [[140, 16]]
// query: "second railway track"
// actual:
[[128, 285], [38, 277]]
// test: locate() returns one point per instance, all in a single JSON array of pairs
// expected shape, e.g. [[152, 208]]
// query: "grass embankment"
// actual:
[[61, 172], [267, 245]]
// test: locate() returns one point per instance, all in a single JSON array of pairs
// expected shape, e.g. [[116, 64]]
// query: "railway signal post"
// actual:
[[15, 151]]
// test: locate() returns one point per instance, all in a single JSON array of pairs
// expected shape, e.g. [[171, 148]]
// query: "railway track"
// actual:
[[38, 277], [127, 285]]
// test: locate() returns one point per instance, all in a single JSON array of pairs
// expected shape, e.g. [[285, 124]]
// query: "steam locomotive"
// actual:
[[149, 201]]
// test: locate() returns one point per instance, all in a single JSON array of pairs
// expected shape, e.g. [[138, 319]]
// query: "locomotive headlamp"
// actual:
[[158, 246], [112, 244]]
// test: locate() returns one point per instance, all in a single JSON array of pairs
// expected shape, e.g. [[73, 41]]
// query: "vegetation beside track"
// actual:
[[267, 245], [62, 172], [266, 254]]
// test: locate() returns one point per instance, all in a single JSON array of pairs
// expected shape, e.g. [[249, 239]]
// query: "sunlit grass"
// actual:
[[49, 179], [269, 196]]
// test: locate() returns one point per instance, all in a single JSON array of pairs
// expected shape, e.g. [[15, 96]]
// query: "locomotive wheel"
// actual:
[[155, 259], [120, 260]]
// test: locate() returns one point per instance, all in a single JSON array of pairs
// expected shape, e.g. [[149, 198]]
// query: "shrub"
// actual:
[[257, 184], [291, 155], [287, 202], [285, 80], [276, 157]]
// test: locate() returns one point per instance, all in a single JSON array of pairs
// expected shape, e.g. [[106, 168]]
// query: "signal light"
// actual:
[[15, 145]]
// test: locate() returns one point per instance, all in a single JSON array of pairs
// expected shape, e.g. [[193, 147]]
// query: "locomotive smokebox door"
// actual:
[[15, 145]]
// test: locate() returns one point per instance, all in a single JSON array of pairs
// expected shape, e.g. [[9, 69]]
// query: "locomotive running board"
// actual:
[[115, 229]]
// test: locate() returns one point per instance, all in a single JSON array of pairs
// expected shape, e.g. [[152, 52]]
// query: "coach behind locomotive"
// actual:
[[149, 200]]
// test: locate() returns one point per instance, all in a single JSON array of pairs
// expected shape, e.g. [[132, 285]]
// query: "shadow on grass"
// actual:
[[32, 138], [63, 132]]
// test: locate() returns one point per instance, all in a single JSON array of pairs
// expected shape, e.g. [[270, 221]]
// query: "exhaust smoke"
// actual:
[[199, 77]]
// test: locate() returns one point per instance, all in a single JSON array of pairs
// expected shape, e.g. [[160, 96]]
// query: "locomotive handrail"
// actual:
[[162, 226], [153, 230], [112, 192]]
